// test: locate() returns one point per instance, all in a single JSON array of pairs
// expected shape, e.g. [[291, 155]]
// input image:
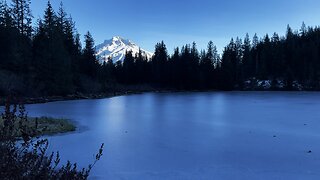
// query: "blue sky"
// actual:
[[178, 22]]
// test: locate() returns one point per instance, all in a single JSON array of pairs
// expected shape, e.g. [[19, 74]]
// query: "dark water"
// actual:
[[233, 135]]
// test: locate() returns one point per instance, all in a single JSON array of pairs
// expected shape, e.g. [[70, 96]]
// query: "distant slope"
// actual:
[[116, 48]]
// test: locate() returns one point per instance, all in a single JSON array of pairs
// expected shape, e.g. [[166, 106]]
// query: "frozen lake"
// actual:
[[219, 135]]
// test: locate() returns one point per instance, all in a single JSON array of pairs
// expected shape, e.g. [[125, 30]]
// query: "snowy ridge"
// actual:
[[116, 49]]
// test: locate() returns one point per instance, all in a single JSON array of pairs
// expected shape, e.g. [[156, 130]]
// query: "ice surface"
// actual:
[[233, 135]]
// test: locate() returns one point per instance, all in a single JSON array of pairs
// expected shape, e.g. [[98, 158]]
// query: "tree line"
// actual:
[[289, 62], [48, 59]]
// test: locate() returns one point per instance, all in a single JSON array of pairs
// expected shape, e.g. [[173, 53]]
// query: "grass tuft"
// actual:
[[46, 125]]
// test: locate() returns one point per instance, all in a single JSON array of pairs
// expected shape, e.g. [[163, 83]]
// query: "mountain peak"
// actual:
[[117, 38], [116, 47]]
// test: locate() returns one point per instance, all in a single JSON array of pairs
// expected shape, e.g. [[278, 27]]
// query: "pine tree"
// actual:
[[159, 61], [248, 65], [22, 16], [52, 57], [193, 67], [106, 75], [229, 66], [303, 29], [255, 41], [15, 47], [175, 69], [49, 19], [2, 12], [277, 57], [6, 20], [289, 33], [62, 15], [6, 32], [266, 60], [90, 63], [129, 68], [140, 68], [207, 65], [255, 55]]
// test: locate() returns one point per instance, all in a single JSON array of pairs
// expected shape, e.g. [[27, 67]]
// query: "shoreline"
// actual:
[[47, 99], [81, 96]]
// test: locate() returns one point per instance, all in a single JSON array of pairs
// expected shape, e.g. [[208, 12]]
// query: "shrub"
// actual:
[[25, 157]]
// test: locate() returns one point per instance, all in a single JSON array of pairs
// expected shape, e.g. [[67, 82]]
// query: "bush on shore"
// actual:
[[26, 157]]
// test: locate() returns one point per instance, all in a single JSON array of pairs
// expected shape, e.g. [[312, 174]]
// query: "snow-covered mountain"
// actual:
[[116, 48]]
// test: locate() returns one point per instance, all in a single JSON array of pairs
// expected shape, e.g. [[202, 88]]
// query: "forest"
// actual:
[[48, 59]]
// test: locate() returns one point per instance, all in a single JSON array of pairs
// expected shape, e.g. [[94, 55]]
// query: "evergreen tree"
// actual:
[[207, 64], [175, 70], [255, 55], [159, 61], [255, 41], [22, 16], [49, 19], [106, 75], [229, 66], [15, 53], [7, 19], [53, 61], [303, 30], [248, 64], [62, 16], [129, 68], [140, 68], [2, 13], [193, 67], [7, 34], [90, 63]]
